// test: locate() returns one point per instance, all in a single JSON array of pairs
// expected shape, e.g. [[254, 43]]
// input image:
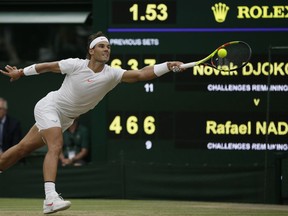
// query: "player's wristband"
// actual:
[[30, 70], [160, 69]]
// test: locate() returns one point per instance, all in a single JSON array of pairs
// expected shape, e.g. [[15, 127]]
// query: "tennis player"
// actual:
[[86, 82]]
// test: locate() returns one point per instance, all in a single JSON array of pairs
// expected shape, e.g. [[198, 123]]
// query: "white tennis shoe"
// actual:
[[54, 204]]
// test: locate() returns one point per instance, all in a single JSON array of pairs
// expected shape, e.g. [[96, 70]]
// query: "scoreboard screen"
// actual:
[[202, 109]]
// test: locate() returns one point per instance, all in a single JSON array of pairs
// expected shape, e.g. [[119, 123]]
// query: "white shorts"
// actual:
[[47, 115]]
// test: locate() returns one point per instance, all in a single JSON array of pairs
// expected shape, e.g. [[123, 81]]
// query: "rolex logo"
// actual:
[[220, 11]]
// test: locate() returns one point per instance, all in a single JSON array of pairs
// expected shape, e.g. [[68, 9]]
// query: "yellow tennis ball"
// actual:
[[222, 53]]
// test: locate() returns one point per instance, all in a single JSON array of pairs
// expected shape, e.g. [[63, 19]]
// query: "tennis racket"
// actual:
[[229, 56]]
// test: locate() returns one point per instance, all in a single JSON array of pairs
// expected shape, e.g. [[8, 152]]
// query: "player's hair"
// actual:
[[90, 39]]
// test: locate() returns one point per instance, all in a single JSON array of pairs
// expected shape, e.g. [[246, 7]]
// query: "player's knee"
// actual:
[[22, 151], [24, 148], [55, 147]]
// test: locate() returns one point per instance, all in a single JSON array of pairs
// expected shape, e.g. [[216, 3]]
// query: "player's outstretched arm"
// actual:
[[149, 72], [14, 73]]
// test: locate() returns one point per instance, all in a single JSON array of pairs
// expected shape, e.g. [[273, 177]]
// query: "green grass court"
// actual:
[[97, 207]]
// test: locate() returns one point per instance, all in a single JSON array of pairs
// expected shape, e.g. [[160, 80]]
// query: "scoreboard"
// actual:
[[203, 110]]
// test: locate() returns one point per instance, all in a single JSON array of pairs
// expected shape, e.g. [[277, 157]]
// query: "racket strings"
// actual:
[[238, 55]]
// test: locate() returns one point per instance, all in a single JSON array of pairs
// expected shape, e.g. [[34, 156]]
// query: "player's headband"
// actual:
[[97, 40]]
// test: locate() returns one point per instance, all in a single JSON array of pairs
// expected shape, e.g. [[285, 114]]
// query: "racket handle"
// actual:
[[188, 65], [184, 66]]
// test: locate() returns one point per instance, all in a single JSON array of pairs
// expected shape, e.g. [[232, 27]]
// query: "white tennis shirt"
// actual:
[[82, 89]]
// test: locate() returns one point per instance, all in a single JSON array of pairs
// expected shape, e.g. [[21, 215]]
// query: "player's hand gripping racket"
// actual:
[[229, 56]]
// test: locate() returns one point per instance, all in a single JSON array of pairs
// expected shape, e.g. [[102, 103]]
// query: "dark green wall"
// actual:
[[136, 180]]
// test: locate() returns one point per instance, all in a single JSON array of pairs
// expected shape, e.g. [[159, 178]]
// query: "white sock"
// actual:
[[50, 189]]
